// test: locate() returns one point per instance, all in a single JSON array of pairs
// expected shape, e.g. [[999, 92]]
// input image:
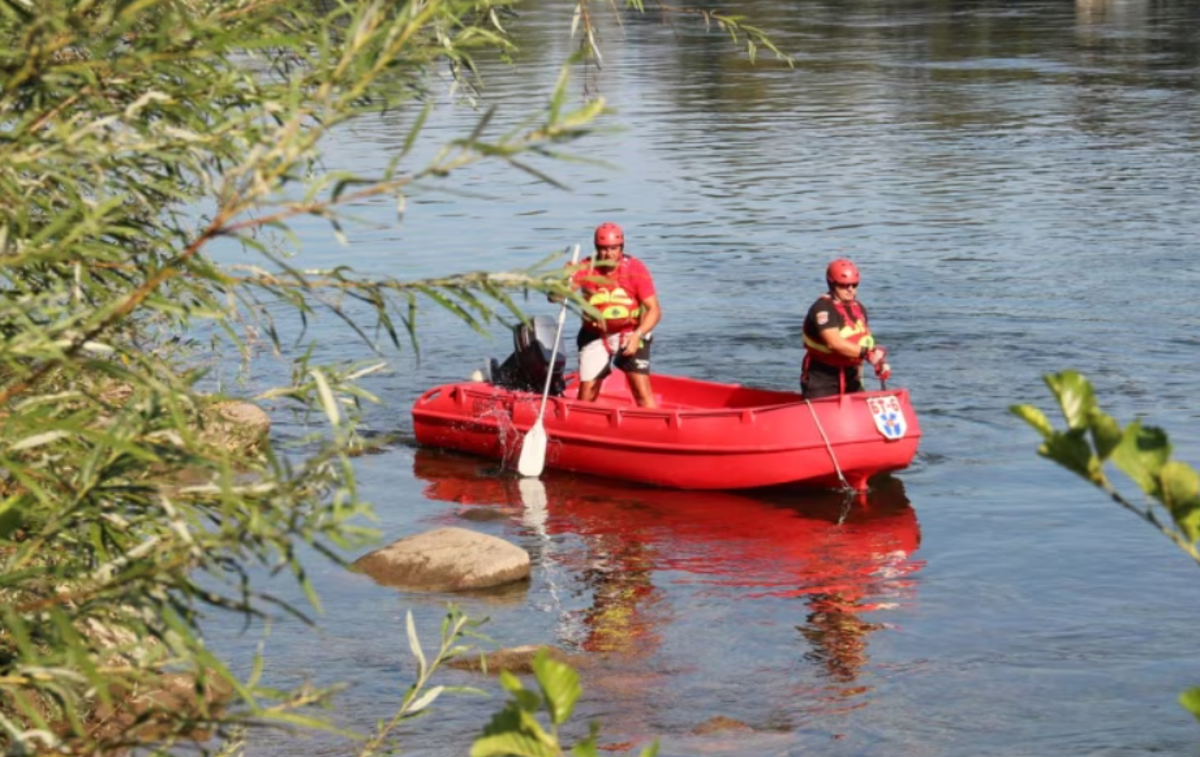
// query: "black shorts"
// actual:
[[822, 380]]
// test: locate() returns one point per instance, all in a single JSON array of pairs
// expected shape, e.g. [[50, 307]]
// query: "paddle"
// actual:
[[533, 448]]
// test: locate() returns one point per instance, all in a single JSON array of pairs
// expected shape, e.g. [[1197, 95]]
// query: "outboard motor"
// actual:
[[525, 369]]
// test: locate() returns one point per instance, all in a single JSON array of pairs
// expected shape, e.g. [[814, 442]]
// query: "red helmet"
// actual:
[[609, 234], [841, 271]]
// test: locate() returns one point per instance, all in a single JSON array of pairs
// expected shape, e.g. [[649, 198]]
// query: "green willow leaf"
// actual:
[[414, 643]]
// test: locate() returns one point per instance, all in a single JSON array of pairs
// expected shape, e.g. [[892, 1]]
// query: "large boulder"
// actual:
[[446, 559], [235, 425]]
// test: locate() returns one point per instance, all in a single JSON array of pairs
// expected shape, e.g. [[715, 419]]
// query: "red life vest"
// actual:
[[854, 328], [620, 311]]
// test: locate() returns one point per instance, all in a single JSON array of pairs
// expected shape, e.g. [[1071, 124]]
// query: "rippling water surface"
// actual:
[[1019, 183]]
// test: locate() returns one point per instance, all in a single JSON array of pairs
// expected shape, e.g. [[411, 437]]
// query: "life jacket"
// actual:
[[619, 311], [854, 328]]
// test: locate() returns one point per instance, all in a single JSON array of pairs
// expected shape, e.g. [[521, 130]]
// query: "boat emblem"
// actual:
[[889, 416]]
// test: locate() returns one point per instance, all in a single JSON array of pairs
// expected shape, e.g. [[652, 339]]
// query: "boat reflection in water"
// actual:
[[656, 557]]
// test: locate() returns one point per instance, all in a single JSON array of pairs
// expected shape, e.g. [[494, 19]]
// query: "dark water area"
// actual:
[[1019, 183]]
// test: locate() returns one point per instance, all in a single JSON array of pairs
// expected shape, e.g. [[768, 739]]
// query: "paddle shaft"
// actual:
[[562, 317]]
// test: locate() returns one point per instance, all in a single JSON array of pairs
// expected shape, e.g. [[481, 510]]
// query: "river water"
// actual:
[[1019, 183]]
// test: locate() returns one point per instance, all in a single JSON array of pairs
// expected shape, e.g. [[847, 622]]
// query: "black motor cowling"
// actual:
[[525, 369]]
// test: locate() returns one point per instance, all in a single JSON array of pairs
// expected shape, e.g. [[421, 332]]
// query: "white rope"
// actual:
[[829, 447]]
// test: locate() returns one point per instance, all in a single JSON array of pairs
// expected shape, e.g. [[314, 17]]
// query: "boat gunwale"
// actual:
[[676, 410]]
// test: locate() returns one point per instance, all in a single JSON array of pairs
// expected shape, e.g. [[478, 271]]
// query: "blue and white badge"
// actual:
[[889, 416]]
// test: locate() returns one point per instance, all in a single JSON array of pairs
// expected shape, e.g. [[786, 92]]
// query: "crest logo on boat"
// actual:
[[889, 416]]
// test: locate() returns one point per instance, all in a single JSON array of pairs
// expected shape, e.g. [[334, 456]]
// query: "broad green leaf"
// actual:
[[1072, 451], [514, 729], [1190, 700], [560, 686], [510, 682], [504, 721], [1141, 454], [1075, 397], [588, 747], [512, 744], [585, 748], [1106, 433], [527, 701], [1034, 417], [1181, 495]]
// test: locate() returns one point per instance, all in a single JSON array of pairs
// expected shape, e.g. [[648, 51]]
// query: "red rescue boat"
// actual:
[[704, 435]]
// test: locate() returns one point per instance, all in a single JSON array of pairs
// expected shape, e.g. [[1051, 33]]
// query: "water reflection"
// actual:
[[652, 559]]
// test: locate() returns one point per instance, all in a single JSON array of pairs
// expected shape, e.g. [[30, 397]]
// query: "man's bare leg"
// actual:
[[639, 386], [589, 390]]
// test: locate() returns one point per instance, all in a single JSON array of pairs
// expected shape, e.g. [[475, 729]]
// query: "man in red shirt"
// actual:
[[620, 288]]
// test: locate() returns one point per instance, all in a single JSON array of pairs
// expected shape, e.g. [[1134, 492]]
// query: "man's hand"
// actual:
[[631, 342], [878, 360]]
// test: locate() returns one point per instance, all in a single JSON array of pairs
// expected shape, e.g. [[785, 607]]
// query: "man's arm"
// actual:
[[839, 344], [651, 315]]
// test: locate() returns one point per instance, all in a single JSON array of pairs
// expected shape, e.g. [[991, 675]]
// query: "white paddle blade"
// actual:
[[533, 451]]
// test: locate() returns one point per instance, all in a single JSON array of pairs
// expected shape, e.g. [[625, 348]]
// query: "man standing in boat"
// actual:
[[621, 290], [837, 339]]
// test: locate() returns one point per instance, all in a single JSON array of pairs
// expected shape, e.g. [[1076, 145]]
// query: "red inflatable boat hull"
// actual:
[[704, 435]]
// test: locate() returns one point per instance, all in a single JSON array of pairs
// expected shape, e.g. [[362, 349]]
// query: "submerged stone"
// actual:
[[446, 559]]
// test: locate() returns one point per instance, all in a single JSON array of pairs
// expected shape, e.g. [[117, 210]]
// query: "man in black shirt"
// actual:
[[837, 339]]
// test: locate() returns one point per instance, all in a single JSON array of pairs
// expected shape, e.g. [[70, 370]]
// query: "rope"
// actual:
[[828, 447]]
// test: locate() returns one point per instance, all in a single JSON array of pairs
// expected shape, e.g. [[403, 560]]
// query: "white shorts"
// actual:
[[598, 357]]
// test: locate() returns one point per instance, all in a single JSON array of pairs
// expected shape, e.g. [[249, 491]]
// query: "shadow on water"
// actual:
[[807, 567]]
